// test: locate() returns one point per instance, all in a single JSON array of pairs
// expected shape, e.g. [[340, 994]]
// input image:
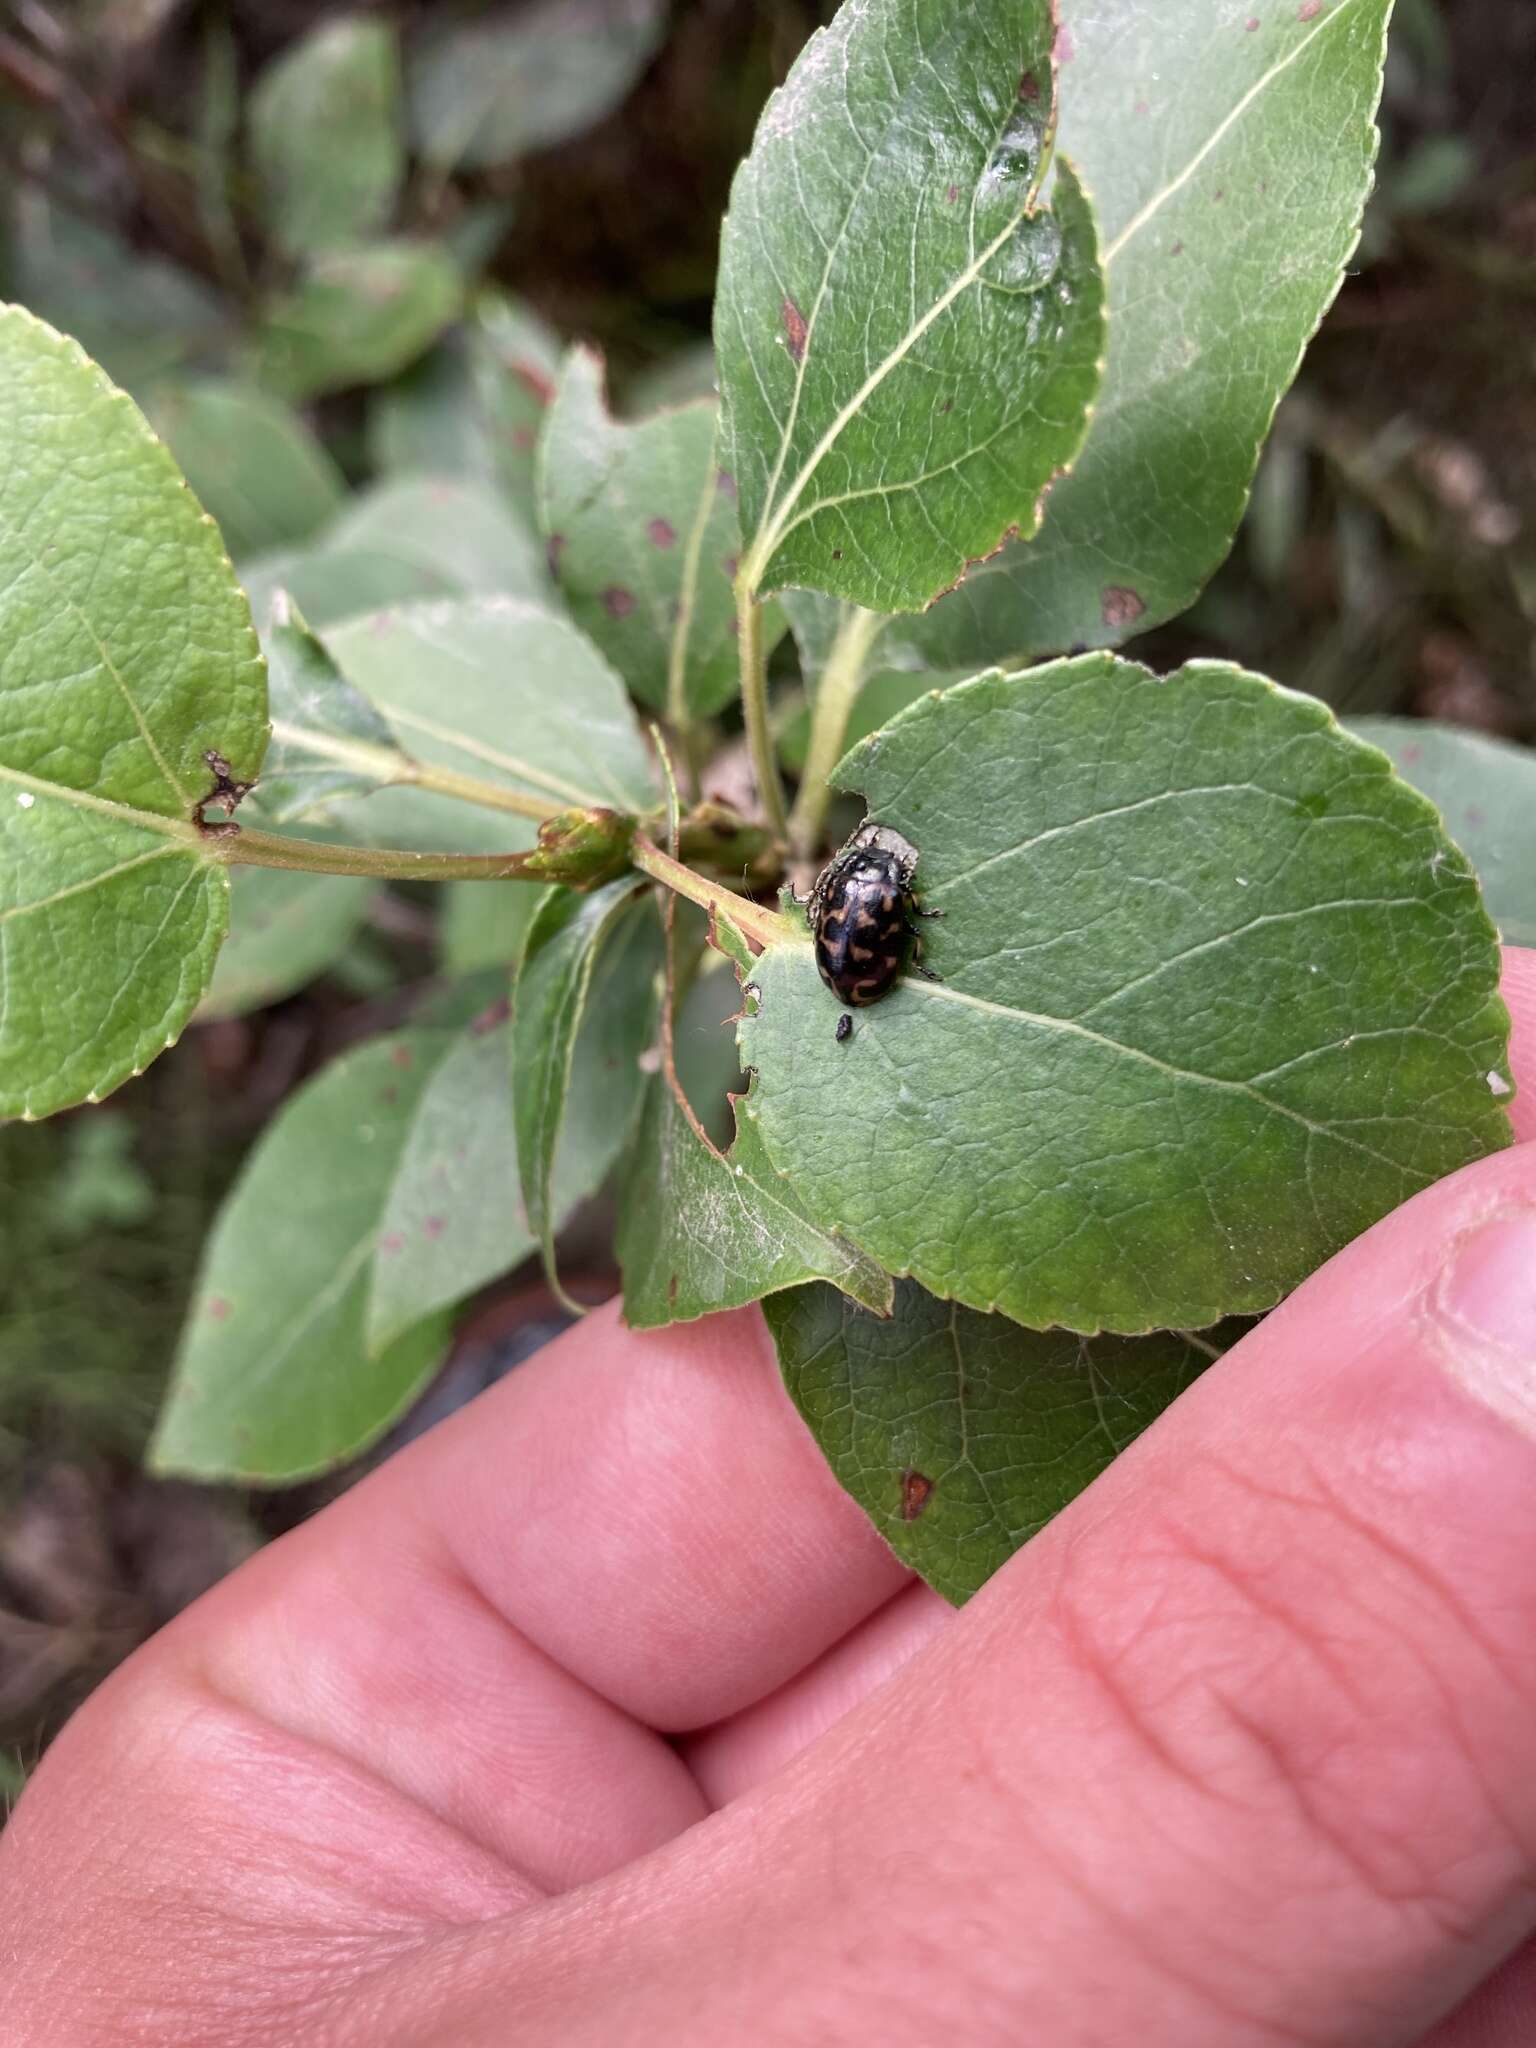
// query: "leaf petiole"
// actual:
[[754, 704], [764, 927], [841, 681]]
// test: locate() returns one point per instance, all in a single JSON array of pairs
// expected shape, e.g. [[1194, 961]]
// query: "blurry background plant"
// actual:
[[335, 255]]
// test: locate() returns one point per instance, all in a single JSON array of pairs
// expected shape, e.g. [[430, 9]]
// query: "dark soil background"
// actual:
[[1388, 562]]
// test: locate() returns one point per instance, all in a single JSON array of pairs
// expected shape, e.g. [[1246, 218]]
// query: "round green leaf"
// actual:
[[359, 316], [325, 124], [126, 653], [252, 461], [960, 1435], [1218, 993]]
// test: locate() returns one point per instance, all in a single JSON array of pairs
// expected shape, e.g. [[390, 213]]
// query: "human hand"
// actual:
[[571, 1724]]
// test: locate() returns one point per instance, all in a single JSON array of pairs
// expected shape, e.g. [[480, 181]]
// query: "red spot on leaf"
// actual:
[[534, 381], [618, 602], [1029, 87], [1309, 10], [662, 533], [1251, 23], [1476, 817], [522, 438], [1141, 107], [1177, 249], [392, 1245], [726, 483], [916, 1491], [1221, 192], [218, 1309], [1065, 49], [730, 565], [796, 333], [492, 1015], [554, 548], [402, 1057], [952, 195], [434, 1226], [1121, 607]]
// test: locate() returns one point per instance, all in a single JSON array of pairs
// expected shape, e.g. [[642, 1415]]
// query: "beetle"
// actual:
[[861, 913]]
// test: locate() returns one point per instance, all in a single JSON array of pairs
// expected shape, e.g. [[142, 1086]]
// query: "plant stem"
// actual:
[[253, 849], [397, 768], [764, 927], [754, 704], [841, 681]]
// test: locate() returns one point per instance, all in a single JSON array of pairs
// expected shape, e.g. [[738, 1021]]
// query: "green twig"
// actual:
[[245, 847], [764, 927], [754, 705], [836, 694], [398, 769]]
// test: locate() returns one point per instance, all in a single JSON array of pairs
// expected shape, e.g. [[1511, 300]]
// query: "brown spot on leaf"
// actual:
[[948, 405], [618, 602], [389, 1097], [1221, 193], [796, 333], [730, 565], [661, 533], [554, 548], [1065, 49], [916, 1491], [952, 196], [837, 554], [1029, 87], [726, 482], [492, 1015], [1177, 249], [402, 1057], [672, 1288], [1120, 606]]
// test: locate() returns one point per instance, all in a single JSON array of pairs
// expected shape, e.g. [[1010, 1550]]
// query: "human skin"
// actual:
[[601, 1716]]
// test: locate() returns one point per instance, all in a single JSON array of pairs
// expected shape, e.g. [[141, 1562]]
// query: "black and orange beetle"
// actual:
[[861, 913]]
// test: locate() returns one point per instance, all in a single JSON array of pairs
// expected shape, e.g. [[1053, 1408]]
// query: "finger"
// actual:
[[1241, 1750], [1519, 985], [734, 1755], [630, 1530]]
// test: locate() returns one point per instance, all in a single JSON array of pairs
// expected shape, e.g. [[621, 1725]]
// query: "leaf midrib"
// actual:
[[83, 799]]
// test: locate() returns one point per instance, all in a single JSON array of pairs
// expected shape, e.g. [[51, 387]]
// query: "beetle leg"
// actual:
[[916, 962], [916, 910], [926, 972]]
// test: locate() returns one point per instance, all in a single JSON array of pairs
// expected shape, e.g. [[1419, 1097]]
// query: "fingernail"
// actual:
[[1485, 1305]]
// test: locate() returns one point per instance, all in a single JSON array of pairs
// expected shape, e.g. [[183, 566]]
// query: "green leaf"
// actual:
[[273, 1380], [566, 938], [1218, 994], [483, 927], [472, 409], [883, 694], [359, 316], [285, 928], [699, 1231], [252, 462], [327, 739], [126, 652], [453, 1219], [136, 314], [461, 533], [329, 586], [325, 126], [1486, 792], [503, 690], [1228, 151], [644, 538], [908, 341], [960, 1435], [489, 91]]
